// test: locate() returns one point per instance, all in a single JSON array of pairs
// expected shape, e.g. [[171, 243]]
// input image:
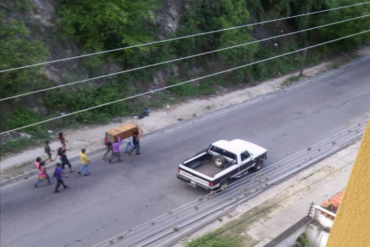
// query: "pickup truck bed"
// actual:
[[208, 168], [204, 165]]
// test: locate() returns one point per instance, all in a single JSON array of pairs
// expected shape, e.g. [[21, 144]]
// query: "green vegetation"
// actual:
[[335, 65], [16, 49], [39, 135], [218, 241], [100, 25], [22, 117], [291, 80], [302, 241]]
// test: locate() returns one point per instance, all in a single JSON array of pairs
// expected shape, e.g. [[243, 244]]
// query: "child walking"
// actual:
[[42, 174], [62, 140], [48, 150]]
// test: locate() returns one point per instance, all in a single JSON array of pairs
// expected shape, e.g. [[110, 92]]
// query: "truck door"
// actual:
[[246, 161]]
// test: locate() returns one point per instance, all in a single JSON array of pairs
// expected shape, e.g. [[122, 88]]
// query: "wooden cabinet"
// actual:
[[124, 131]]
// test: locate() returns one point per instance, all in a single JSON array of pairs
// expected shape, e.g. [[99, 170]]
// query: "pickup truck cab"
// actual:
[[214, 167]]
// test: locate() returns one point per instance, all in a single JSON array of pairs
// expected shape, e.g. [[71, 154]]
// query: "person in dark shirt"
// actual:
[[109, 146], [59, 153], [48, 150], [59, 175], [136, 141], [62, 140], [65, 161]]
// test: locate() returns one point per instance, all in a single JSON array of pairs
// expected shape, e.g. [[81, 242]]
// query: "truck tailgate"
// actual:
[[193, 178]]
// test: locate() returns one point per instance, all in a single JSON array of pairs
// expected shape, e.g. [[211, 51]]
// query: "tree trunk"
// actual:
[[303, 60]]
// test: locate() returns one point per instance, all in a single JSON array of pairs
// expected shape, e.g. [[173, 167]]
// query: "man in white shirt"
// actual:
[[129, 144]]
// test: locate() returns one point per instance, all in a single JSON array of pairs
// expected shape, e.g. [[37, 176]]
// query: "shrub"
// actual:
[[218, 241]]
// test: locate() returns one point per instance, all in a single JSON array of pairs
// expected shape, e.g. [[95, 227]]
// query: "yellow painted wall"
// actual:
[[352, 224]]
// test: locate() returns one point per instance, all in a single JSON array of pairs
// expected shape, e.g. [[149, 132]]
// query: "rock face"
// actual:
[[42, 21], [169, 16], [43, 13]]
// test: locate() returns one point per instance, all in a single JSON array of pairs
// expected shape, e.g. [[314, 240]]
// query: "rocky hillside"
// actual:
[[41, 30]]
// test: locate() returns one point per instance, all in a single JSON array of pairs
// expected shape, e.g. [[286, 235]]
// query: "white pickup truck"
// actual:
[[214, 167]]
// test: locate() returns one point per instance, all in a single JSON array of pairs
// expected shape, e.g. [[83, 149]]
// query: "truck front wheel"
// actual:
[[259, 165]]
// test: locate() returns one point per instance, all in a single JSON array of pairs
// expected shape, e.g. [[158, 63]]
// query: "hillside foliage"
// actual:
[[98, 25]]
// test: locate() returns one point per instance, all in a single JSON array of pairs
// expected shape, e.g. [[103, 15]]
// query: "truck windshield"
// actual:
[[222, 152]]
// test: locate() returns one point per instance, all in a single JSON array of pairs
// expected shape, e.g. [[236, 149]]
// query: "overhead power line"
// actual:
[[182, 37], [182, 58], [184, 82], [269, 207]]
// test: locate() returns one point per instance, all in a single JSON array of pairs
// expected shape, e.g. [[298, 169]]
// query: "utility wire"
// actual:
[[180, 59], [182, 37], [276, 203], [184, 82]]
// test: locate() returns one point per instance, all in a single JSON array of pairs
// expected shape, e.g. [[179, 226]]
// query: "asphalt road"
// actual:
[[119, 196]]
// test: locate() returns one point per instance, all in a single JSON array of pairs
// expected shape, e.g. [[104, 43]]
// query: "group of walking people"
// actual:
[[114, 148], [61, 153], [60, 166]]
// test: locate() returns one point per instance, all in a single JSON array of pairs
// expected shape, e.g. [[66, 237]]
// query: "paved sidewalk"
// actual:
[[287, 202]]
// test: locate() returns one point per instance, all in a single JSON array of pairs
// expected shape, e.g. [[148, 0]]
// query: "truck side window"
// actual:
[[245, 156]]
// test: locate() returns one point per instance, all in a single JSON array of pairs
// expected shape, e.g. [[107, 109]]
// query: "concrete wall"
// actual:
[[317, 236], [324, 221], [289, 236], [290, 240]]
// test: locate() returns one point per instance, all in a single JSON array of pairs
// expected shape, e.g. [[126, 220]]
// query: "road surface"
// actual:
[[119, 196]]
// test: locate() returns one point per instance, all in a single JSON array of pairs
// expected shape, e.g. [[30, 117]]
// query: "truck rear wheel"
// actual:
[[224, 185], [259, 165], [219, 161]]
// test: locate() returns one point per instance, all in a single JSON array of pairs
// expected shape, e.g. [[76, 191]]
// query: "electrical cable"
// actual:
[[184, 82], [180, 59], [182, 37], [276, 203]]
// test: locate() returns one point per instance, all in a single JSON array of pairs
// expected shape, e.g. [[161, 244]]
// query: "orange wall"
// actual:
[[352, 224]]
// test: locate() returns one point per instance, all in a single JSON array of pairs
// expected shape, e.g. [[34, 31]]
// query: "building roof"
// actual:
[[332, 204]]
